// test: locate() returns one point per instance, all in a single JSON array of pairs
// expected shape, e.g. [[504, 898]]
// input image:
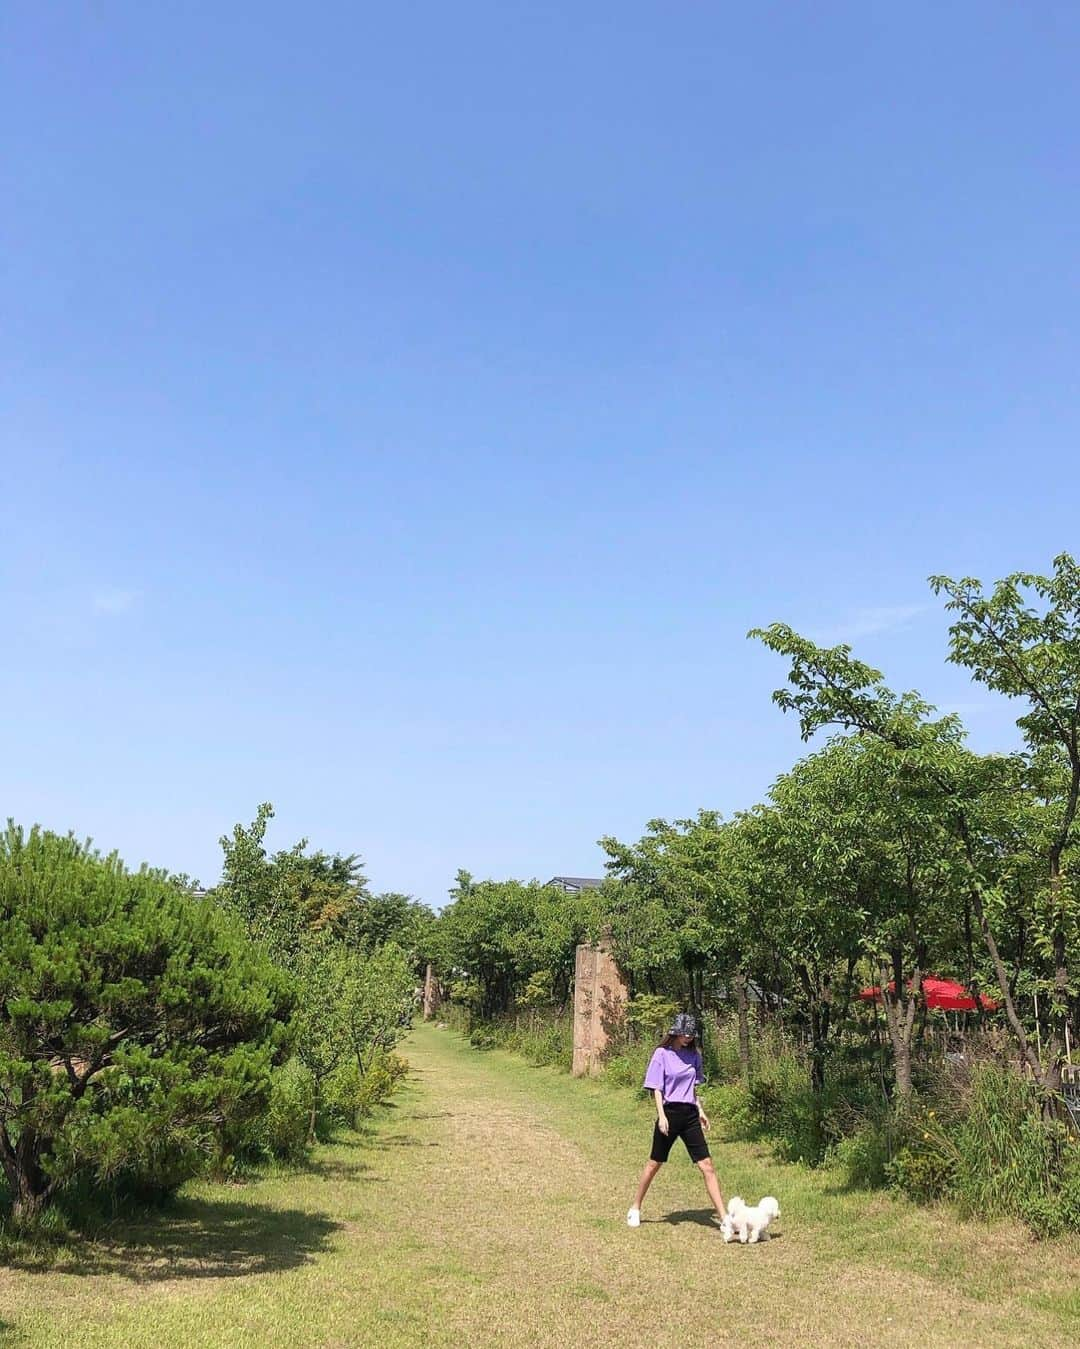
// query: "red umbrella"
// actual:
[[940, 994]]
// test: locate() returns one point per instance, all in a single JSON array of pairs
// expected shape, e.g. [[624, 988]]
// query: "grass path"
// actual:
[[487, 1207]]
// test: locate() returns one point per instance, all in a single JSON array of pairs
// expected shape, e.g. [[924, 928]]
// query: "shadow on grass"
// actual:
[[332, 1168], [843, 1187], [200, 1239], [704, 1217], [359, 1139], [370, 1141]]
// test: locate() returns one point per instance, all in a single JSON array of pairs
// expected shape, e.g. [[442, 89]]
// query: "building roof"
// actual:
[[577, 882]]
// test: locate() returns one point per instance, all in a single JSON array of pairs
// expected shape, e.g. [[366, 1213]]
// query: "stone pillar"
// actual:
[[599, 1003], [432, 993]]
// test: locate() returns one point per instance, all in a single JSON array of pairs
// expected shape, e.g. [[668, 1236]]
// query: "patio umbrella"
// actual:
[[941, 995]]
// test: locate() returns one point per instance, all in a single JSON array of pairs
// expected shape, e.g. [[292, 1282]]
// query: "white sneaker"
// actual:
[[633, 1217]]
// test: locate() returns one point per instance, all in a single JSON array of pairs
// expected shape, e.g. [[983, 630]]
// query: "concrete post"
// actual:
[[432, 994], [599, 1003]]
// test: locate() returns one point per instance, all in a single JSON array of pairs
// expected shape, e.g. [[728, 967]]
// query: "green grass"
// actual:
[[486, 1206]]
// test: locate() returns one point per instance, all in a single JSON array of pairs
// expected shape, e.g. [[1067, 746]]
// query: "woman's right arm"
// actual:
[[654, 1082]]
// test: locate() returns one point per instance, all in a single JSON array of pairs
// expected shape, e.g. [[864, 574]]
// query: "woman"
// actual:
[[673, 1074]]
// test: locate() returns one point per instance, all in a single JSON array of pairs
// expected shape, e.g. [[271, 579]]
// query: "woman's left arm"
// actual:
[[700, 1075]]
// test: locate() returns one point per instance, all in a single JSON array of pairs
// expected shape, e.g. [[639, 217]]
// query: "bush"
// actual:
[[352, 1096], [282, 1130], [627, 1068], [922, 1173], [862, 1157], [720, 1051], [1010, 1162], [987, 1147], [1069, 1193], [729, 1106], [456, 1016], [649, 1015], [544, 1038], [380, 1082]]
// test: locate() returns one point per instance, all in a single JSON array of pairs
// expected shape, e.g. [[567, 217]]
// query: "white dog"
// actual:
[[748, 1223]]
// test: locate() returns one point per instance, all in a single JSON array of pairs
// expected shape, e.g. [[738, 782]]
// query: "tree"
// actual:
[[321, 968], [879, 843], [1032, 652], [342, 945], [501, 932], [667, 916], [815, 892], [128, 1010], [279, 897], [322, 890], [983, 800], [379, 919], [377, 1002], [740, 908]]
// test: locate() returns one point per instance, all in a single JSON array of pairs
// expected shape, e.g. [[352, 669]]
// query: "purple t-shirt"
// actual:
[[675, 1073]]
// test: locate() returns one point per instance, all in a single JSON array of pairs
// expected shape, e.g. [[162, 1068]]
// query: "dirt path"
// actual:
[[488, 1208]]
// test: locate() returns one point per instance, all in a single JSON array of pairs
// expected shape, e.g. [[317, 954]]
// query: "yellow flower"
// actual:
[[926, 1135]]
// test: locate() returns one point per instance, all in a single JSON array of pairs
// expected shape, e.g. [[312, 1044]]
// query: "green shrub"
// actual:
[[465, 993], [721, 1051], [649, 1016], [987, 1146], [729, 1106], [1069, 1192], [549, 1042], [1008, 1160], [352, 1096], [380, 1081], [282, 1130], [544, 1038], [538, 991], [862, 1157], [783, 1108], [456, 1016], [627, 1068], [923, 1174]]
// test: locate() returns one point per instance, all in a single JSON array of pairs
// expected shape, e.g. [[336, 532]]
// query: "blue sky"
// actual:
[[407, 409]]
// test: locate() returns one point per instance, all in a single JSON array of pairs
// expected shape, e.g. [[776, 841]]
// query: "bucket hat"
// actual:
[[682, 1023]]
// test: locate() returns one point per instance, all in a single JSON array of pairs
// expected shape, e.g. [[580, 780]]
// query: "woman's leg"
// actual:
[[705, 1166], [646, 1180]]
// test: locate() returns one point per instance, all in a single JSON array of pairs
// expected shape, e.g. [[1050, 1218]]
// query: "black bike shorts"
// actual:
[[683, 1122]]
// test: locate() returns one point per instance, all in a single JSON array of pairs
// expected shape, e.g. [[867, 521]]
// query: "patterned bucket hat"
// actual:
[[682, 1023]]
